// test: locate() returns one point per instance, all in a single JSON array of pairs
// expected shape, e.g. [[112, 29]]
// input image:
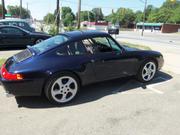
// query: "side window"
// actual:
[[8, 30], [4, 30], [15, 31], [63, 51], [88, 45], [101, 44], [114, 45], [77, 48]]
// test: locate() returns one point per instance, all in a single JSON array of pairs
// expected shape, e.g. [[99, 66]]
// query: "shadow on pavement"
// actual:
[[93, 92]]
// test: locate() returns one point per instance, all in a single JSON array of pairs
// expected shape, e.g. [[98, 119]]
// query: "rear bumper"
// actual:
[[23, 88]]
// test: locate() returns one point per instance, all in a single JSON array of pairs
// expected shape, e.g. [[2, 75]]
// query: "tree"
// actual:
[[68, 16], [49, 18], [0, 9], [139, 16], [169, 12], [87, 16], [112, 18], [126, 17], [176, 17], [98, 14], [15, 11]]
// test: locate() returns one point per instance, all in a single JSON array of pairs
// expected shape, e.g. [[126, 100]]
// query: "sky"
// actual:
[[39, 8]]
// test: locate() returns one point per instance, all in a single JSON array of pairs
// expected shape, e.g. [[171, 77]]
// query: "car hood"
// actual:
[[144, 52], [130, 48]]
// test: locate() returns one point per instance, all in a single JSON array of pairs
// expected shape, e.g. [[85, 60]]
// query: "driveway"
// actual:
[[8, 53], [122, 106]]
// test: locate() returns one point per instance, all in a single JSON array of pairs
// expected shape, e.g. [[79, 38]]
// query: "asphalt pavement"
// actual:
[[123, 106]]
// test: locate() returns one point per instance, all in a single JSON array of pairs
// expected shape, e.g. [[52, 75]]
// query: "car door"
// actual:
[[14, 37], [109, 59], [79, 60]]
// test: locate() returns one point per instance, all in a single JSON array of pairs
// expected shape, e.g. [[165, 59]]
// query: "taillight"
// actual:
[[9, 76]]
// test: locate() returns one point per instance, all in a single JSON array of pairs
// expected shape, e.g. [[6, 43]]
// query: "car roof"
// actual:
[[13, 20], [11, 26], [84, 34]]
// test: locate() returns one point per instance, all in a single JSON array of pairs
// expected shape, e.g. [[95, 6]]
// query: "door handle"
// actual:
[[92, 61]]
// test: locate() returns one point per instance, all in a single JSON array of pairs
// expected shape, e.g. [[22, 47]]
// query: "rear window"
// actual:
[[50, 43]]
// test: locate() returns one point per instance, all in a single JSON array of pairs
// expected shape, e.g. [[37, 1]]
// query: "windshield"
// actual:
[[50, 43]]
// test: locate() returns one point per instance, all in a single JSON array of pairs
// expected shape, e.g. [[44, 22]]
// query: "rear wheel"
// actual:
[[147, 71], [62, 88]]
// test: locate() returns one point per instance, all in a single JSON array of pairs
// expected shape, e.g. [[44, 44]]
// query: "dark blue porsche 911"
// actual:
[[60, 65]]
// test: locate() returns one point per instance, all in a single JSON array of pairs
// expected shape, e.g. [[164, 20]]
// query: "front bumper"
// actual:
[[23, 87], [160, 62]]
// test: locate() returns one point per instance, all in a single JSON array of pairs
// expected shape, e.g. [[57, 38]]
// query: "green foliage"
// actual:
[[15, 10], [68, 16], [139, 16], [125, 16], [169, 12], [70, 28], [52, 31], [112, 18], [176, 17], [49, 18], [98, 14], [87, 16], [0, 8]]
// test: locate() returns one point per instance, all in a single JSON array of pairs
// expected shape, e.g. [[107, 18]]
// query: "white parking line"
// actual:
[[155, 90], [151, 86]]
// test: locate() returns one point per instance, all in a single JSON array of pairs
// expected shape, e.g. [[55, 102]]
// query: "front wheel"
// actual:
[[62, 88], [147, 71]]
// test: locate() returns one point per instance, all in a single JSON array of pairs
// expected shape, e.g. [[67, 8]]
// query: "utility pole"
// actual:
[[144, 17], [58, 16], [3, 9], [27, 6], [79, 14], [20, 8]]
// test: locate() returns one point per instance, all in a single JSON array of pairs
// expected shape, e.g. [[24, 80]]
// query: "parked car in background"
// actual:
[[17, 22], [13, 36], [61, 64]]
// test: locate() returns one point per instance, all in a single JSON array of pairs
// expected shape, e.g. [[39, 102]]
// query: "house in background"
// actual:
[[158, 27]]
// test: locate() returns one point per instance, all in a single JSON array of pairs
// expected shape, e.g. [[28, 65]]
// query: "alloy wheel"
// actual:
[[64, 89], [148, 71]]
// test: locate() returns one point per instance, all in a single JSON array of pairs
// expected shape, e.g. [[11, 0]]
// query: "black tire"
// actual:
[[139, 75], [52, 80]]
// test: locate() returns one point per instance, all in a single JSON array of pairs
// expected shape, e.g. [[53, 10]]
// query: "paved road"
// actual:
[[119, 107], [167, 44], [8, 53]]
